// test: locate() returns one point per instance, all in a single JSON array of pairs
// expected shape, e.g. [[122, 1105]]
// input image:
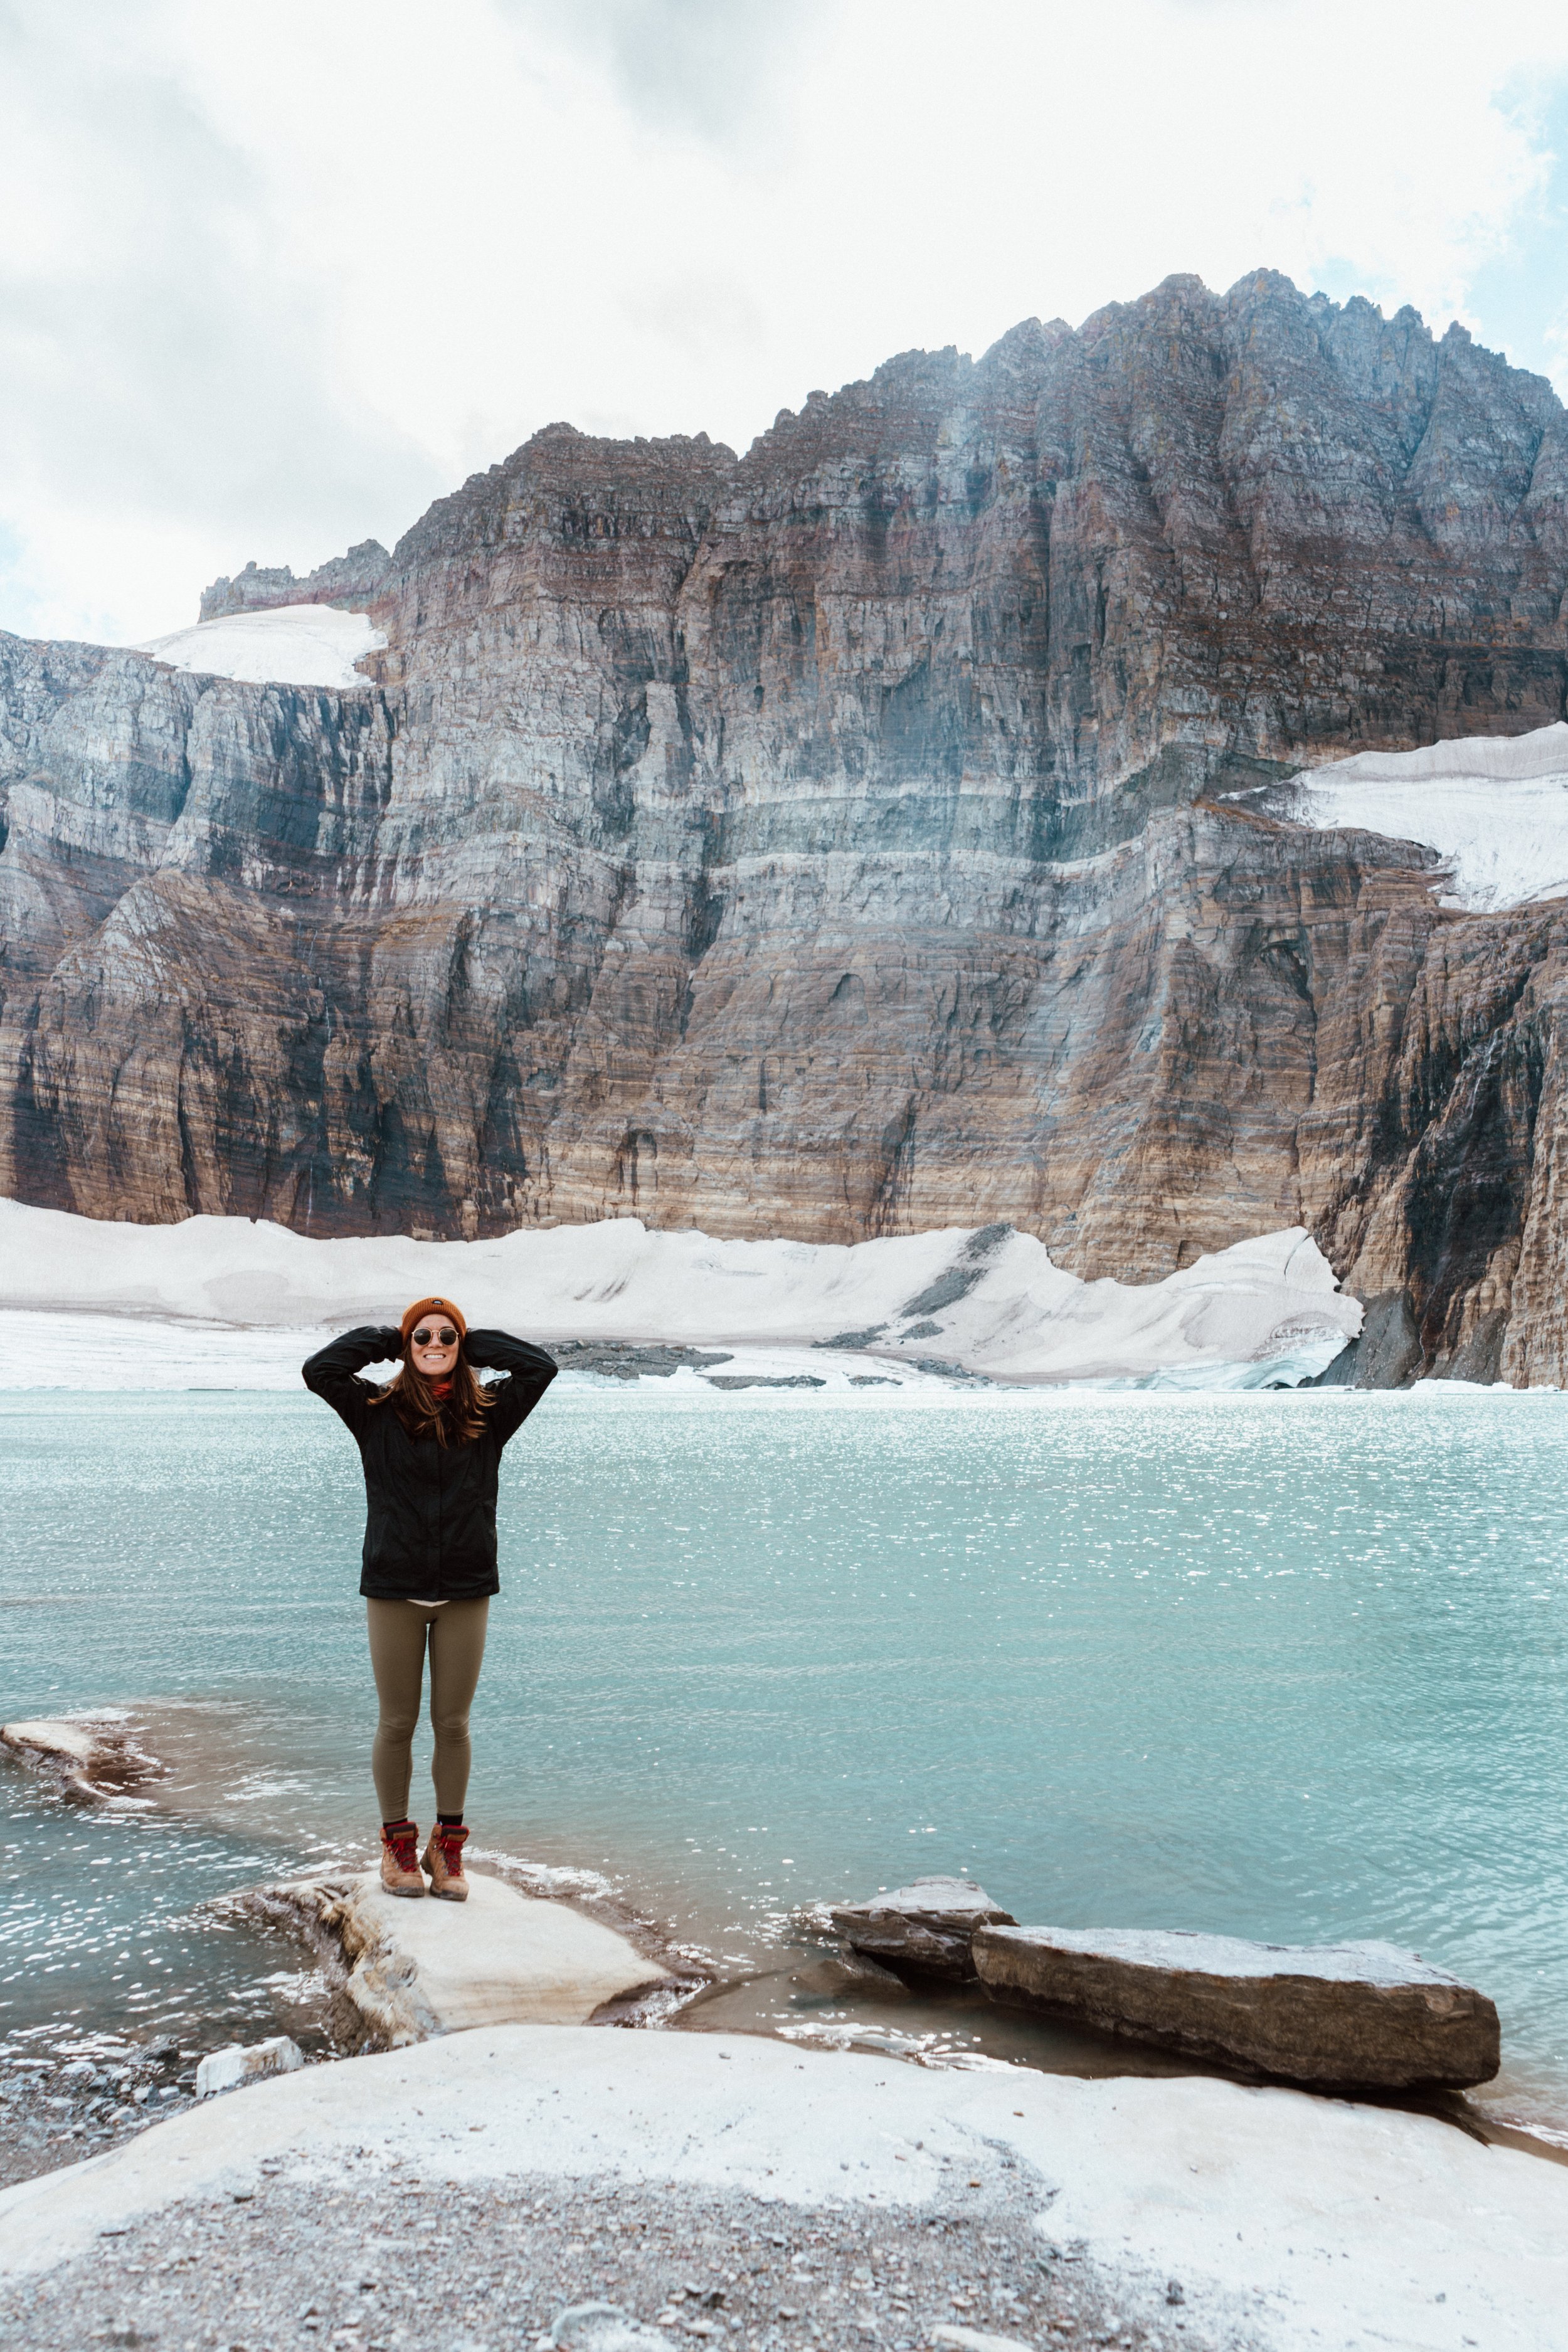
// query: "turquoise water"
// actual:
[[1288, 1666]]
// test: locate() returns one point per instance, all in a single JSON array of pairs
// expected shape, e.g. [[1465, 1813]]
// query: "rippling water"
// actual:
[[1288, 1666]]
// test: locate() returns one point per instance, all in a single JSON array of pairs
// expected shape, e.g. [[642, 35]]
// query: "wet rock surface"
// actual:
[[925, 1927], [847, 1975], [92, 1759], [423, 1968], [425, 2266], [617, 1361], [1364, 2015]]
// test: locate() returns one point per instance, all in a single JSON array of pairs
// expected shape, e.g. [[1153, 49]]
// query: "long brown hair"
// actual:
[[455, 1419]]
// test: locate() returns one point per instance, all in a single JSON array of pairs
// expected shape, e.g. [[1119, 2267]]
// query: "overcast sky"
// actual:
[[275, 273]]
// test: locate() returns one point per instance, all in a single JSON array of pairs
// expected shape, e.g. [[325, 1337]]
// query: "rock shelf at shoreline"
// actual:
[[423, 1968], [1365, 2014], [1289, 2222]]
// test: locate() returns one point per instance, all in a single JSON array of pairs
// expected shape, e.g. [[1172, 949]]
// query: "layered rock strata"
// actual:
[[833, 840], [348, 580]]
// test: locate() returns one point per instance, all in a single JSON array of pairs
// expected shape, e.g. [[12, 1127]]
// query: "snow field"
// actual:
[[297, 645], [1495, 808], [206, 1297]]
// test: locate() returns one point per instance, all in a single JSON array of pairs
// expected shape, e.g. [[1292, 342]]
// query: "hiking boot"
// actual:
[[444, 1861], [400, 1858]]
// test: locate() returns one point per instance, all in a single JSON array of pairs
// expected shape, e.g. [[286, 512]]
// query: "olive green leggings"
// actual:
[[399, 1632]]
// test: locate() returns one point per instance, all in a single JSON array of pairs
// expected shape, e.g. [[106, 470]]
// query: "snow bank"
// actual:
[[1488, 759], [1495, 808], [299, 645], [1293, 2222], [989, 1300]]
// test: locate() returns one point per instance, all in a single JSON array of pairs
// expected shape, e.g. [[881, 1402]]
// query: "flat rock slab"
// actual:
[[422, 1967], [1362, 2015], [926, 1926]]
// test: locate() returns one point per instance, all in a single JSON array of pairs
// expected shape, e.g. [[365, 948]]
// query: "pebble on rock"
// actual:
[[225, 2070], [604, 2328], [976, 2339]]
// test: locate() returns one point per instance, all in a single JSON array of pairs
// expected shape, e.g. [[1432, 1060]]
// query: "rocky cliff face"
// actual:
[[835, 840]]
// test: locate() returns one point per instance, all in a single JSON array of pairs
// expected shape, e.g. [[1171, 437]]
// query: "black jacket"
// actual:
[[430, 1528]]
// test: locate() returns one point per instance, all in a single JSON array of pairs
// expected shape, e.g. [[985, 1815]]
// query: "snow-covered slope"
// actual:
[[990, 1300], [299, 645], [1495, 808]]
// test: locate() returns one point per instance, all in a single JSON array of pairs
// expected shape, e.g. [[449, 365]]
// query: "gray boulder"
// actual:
[[925, 1927], [1360, 2015]]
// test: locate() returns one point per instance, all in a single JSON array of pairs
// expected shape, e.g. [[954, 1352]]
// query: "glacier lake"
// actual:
[[1283, 1665]]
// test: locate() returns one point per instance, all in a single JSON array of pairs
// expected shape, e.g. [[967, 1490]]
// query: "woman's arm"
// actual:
[[529, 1372], [330, 1372]]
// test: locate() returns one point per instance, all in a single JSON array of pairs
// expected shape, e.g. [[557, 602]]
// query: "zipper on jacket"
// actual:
[[440, 1522]]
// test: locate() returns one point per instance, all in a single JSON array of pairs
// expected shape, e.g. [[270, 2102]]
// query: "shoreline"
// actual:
[[1286, 2220], [149, 1358], [766, 1991]]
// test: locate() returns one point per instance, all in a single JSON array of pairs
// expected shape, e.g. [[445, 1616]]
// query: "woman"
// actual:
[[430, 1443]]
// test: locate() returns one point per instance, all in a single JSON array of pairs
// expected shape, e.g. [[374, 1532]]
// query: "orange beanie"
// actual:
[[421, 1306]]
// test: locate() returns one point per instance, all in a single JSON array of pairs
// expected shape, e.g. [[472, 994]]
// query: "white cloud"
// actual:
[[273, 275]]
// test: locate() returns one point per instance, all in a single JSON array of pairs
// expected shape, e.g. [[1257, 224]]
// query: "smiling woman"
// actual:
[[430, 1444]]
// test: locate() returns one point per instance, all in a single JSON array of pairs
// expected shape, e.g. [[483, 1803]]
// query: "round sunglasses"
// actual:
[[445, 1338]]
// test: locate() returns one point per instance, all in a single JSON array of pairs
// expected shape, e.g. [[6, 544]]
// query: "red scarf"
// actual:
[[441, 1390]]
